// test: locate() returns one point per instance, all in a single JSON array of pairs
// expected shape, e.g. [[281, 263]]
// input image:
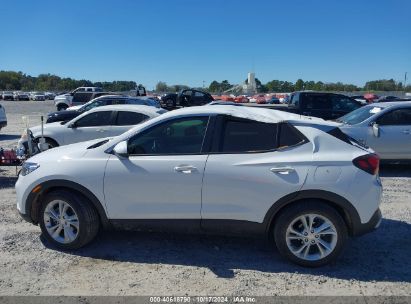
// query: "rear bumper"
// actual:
[[371, 225], [3, 124]]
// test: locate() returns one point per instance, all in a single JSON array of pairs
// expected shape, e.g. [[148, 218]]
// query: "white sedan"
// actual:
[[385, 127], [106, 121]]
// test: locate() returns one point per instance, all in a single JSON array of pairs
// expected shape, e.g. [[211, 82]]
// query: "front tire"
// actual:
[[68, 220], [310, 233]]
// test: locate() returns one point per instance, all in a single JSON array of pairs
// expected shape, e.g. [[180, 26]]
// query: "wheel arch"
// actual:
[[339, 203], [47, 137], [33, 202]]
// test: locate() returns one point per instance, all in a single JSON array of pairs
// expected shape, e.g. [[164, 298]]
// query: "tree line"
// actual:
[[10, 80]]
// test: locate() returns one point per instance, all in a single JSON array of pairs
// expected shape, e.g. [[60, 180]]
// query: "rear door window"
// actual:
[[317, 102], [95, 119], [129, 118], [242, 135]]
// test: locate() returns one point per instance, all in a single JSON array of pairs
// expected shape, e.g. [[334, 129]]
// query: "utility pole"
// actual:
[[203, 84], [405, 80]]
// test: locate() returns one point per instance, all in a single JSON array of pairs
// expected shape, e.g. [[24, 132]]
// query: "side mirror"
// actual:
[[72, 125], [121, 149], [375, 129]]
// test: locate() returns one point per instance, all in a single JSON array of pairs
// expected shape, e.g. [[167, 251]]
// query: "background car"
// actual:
[[106, 121], [21, 96], [214, 169], [7, 95], [273, 100], [37, 96], [105, 100], [385, 127], [186, 98], [3, 118]]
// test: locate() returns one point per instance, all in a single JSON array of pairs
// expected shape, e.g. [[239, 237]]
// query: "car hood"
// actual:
[[47, 127], [63, 153], [73, 108], [63, 113]]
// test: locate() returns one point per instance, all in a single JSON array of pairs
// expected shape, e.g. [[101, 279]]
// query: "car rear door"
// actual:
[[249, 169], [394, 140]]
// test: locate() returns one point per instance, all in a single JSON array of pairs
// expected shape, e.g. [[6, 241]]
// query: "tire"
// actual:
[[52, 143], [72, 234], [169, 103], [62, 107], [291, 235]]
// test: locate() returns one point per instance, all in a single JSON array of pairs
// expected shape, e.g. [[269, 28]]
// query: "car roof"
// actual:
[[390, 104], [247, 112], [127, 107]]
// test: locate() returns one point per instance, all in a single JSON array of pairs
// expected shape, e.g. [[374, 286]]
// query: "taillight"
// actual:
[[370, 163]]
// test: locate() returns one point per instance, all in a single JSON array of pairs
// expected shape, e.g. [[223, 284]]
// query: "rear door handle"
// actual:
[[282, 170], [101, 130], [406, 132], [186, 169]]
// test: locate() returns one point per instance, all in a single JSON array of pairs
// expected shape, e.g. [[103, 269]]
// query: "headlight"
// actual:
[[28, 168]]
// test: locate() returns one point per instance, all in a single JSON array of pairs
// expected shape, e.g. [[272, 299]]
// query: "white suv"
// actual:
[[213, 169]]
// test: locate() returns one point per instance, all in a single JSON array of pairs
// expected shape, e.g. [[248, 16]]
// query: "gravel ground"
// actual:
[[120, 263]]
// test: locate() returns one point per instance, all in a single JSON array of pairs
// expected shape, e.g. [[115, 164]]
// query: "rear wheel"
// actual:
[[67, 220], [62, 107], [310, 233]]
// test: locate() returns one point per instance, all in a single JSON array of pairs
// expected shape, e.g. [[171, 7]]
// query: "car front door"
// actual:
[[394, 136], [162, 176], [252, 167], [90, 126]]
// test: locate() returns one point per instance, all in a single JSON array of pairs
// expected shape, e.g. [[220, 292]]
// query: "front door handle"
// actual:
[[282, 170], [186, 169], [101, 130], [406, 132]]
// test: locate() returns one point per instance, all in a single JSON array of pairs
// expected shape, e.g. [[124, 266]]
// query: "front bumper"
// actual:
[[371, 225], [3, 124]]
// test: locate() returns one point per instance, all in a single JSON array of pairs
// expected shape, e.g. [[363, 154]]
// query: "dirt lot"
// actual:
[[119, 263]]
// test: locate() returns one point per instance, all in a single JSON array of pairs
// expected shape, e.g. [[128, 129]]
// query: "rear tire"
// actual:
[[68, 220], [314, 243], [62, 107]]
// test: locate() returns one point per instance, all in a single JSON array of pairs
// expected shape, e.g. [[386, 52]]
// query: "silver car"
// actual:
[[385, 127]]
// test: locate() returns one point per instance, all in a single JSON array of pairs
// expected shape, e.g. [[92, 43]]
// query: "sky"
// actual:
[[195, 41]]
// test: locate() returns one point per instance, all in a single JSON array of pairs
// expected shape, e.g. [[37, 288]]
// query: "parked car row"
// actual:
[[19, 95]]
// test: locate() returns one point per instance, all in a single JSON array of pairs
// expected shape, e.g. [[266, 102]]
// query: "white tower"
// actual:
[[251, 86]]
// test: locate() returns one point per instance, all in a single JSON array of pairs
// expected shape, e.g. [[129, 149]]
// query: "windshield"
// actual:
[[359, 115]]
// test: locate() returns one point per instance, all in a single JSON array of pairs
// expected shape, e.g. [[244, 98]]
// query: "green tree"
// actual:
[[299, 85]]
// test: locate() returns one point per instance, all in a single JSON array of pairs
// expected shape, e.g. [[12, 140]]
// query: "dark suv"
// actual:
[[319, 104], [186, 98]]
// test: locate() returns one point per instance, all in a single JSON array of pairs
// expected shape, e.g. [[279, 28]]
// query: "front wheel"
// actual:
[[310, 233], [67, 220]]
